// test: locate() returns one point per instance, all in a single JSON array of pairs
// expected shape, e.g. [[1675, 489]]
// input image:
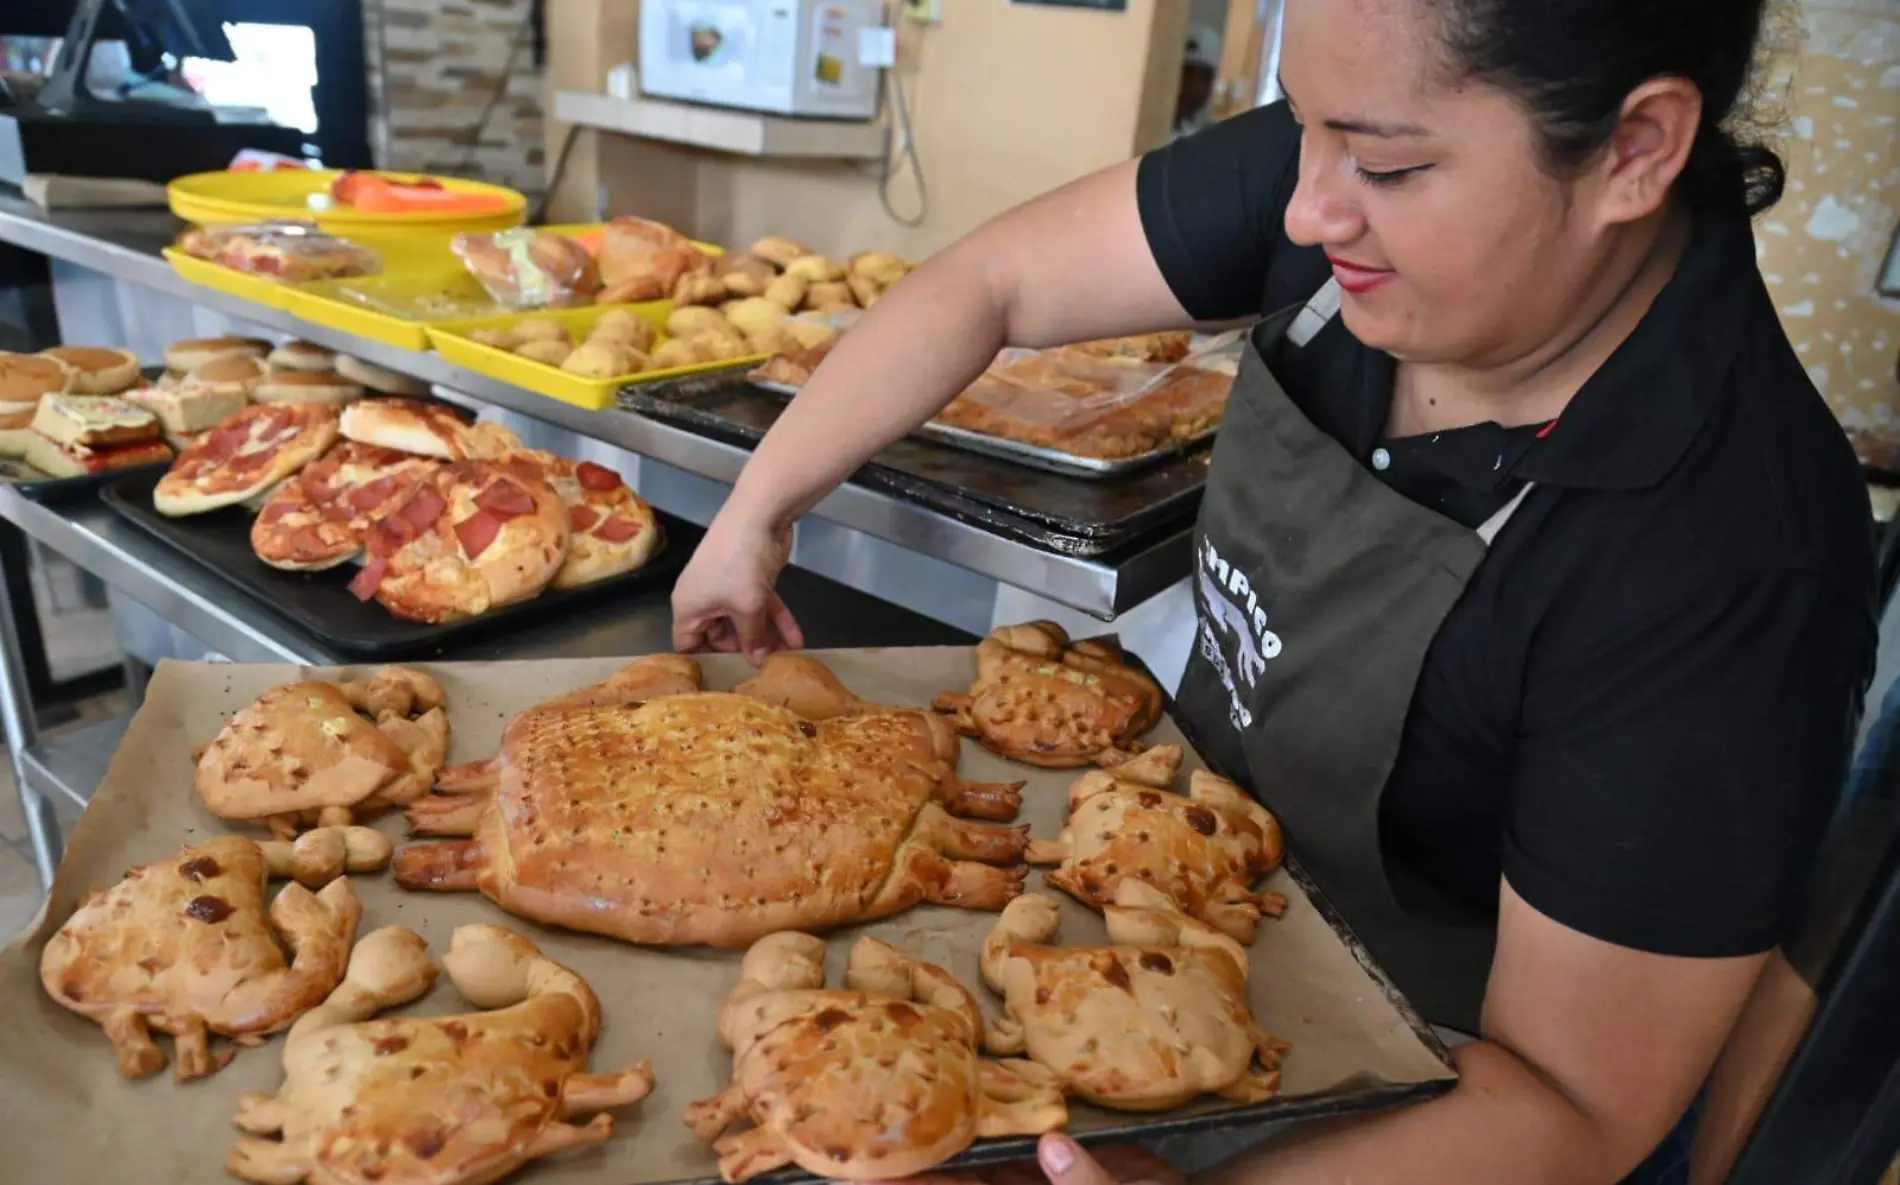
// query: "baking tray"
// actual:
[[38, 487], [1056, 512], [1355, 1045], [1035, 456], [321, 602]]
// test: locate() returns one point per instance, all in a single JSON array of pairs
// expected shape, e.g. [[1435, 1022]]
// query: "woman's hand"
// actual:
[[724, 599], [1062, 1161]]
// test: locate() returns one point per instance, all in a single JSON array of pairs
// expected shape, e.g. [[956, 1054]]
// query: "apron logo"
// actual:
[[1232, 604], [1233, 622]]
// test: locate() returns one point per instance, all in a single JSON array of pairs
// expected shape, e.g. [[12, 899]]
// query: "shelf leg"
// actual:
[[22, 732]]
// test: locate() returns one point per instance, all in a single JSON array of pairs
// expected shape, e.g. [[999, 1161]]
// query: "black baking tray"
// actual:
[[1069, 515], [38, 487], [1193, 1119], [322, 603]]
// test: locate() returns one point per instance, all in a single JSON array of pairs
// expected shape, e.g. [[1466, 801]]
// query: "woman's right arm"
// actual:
[[1071, 266], [1077, 264]]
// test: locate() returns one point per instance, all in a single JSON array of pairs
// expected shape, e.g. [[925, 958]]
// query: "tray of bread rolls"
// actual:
[[675, 919]]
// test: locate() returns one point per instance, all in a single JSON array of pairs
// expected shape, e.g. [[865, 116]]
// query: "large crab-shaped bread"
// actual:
[[1044, 700], [877, 1081], [1144, 1025], [718, 818], [187, 947], [1205, 849], [437, 1100], [327, 752]]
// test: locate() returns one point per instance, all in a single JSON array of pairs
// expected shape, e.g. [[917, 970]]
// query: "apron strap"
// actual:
[[1321, 308], [1488, 530]]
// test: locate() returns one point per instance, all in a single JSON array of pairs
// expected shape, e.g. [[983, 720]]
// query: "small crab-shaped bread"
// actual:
[[1147, 1024], [438, 1100], [877, 1081], [717, 818], [308, 753], [187, 946], [1044, 700], [1205, 849]]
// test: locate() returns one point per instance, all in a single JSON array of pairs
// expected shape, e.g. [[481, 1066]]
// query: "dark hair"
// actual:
[[1573, 62]]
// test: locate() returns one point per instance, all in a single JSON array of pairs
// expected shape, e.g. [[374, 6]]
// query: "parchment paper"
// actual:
[[66, 1115]]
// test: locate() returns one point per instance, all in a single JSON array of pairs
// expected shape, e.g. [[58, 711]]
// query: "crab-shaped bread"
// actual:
[[1147, 1024], [717, 818], [188, 947], [879, 1080], [436, 1100], [322, 752], [1044, 700], [1205, 849]]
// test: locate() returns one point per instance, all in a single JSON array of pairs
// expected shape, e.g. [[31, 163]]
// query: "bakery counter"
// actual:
[[245, 629], [125, 246]]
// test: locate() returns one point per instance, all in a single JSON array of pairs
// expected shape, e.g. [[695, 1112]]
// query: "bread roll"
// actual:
[[815, 268], [788, 291]]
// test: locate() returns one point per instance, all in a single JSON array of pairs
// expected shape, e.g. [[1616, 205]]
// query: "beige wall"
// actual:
[[1008, 101], [1822, 247]]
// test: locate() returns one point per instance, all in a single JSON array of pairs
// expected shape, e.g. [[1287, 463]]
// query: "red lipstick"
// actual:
[[1357, 278]]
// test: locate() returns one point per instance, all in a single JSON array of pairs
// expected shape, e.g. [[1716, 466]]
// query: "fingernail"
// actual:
[[1058, 1154]]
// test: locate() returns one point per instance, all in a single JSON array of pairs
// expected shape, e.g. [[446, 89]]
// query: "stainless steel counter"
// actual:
[[125, 245]]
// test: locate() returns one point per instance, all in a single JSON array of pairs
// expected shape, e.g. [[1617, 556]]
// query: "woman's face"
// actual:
[[1450, 242]]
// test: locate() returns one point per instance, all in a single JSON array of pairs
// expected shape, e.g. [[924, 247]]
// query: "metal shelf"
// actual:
[[71, 763], [125, 244]]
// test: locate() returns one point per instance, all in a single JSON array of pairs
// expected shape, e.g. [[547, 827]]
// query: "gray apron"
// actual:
[[1319, 590]]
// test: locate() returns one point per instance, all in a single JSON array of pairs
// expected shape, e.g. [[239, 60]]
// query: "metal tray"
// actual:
[[1056, 512], [1035, 456], [321, 602], [39, 487]]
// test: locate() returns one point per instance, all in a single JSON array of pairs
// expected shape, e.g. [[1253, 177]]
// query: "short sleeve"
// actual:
[[1675, 773], [1212, 205]]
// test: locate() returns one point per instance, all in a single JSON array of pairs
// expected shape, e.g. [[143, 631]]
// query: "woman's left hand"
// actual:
[[1062, 1161]]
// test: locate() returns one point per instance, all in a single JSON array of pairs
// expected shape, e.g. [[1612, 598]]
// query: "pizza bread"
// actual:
[[613, 529], [317, 519], [96, 421], [246, 455], [76, 460], [97, 370], [473, 536], [426, 429], [187, 411]]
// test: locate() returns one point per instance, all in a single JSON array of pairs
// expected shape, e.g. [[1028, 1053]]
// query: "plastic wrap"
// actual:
[[526, 268], [291, 251]]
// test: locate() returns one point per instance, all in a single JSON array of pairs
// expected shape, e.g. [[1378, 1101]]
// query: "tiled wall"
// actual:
[[1838, 99], [434, 67]]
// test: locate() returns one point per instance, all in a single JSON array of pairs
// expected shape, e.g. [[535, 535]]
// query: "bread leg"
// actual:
[[711, 1116], [1253, 1087], [469, 777], [749, 1153], [961, 840], [451, 866], [266, 1162], [447, 814], [139, 1056], [1020, 1099], [559, 1137], [192, 1049], [1046, 851], [319, 857], [995, 801], [969, 885], [585, 1094], [260, 1114]]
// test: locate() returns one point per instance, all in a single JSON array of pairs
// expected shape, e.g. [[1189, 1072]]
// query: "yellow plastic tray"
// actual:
[[451, 340], [421, 270], [227, 197], [272, 294], [327, 303]]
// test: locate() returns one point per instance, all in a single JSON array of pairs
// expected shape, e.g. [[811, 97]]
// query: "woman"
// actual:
[[1534, 578]]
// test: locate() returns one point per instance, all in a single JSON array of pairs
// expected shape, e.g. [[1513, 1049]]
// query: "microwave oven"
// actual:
[[788, 57]]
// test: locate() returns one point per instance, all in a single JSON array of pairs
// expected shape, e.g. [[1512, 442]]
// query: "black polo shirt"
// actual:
[[1639, 713]]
